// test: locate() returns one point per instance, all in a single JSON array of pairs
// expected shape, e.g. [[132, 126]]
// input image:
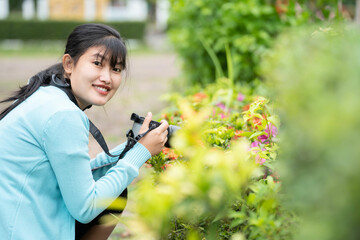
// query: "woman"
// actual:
[[46, 174]]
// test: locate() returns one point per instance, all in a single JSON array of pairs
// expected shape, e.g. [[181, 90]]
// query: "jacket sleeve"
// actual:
[[65, 141], [102, 162]]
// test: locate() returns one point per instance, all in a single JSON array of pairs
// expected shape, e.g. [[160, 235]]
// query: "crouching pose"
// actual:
[[48, 186]]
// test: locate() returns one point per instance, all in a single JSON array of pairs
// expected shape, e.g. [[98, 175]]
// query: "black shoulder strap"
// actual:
[[95, 132]]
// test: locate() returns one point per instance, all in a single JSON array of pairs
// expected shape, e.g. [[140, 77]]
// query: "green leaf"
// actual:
[[254, 135]]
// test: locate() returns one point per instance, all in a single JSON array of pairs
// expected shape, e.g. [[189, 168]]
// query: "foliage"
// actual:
[[315, 79], [219, 182], [203, 31], [59, 30], [15, 5]]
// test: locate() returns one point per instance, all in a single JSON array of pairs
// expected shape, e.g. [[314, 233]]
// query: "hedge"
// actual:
[[59, 30]]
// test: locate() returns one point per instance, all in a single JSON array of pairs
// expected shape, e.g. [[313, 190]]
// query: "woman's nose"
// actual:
[[105, 75]]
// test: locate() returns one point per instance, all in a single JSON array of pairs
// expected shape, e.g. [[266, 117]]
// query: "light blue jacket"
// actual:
[[46, 180]]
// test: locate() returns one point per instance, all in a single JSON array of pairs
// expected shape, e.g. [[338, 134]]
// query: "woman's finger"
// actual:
[[145, 125]]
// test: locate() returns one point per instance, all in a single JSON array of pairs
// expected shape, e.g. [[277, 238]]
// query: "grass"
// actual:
[[18, 48]]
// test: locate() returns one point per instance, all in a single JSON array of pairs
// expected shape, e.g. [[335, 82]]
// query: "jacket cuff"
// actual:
[[137, 155]]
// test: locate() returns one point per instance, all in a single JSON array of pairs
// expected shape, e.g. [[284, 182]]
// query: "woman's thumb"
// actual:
[[145, 125]]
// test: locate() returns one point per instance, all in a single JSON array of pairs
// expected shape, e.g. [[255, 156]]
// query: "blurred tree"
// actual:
[[152, 10], [15, 5], [315, 76], [202, 30]]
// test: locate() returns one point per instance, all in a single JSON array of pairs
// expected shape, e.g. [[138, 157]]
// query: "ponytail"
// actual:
[[42, 78]]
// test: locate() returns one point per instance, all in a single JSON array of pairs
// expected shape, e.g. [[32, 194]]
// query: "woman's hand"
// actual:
[[154, 140]]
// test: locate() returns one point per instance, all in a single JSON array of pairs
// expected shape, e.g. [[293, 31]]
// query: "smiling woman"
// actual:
[[50, 188]]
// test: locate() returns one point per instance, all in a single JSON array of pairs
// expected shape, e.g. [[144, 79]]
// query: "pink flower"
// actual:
[[273, 130], [259, 160], [255, 144], [240, 97], [221, 106], [263, 138]]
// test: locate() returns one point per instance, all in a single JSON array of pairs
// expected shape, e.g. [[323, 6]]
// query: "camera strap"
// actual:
[[95, 132]]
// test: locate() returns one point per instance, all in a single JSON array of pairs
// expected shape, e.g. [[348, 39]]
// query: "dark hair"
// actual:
[[79, 41]]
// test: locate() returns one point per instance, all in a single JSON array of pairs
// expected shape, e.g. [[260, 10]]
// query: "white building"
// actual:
[[106, 10]]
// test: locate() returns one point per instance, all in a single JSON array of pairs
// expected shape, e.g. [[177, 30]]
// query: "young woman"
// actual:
[[47, 182]]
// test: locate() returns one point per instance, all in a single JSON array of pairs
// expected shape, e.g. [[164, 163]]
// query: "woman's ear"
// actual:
[[68, 64]]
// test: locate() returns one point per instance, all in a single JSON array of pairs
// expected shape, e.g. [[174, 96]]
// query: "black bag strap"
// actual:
[[95, 132]]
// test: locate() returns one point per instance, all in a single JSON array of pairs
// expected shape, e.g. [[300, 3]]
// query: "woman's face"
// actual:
[[93, 80]]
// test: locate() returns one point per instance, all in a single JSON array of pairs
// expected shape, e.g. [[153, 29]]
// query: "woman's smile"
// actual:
[[102, 89]]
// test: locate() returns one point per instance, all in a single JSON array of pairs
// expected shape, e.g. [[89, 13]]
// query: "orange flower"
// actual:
[[198, 97], [165, 166], [281, 6], [257, 121], [164, 116], [165, 151], [172, 155], [246, 107], [238, 133]]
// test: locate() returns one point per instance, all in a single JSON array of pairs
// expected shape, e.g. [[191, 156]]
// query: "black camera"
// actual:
[[138, 121]]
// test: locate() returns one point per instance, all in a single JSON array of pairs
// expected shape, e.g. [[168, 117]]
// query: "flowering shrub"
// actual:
[[219, 181], [203, 31]]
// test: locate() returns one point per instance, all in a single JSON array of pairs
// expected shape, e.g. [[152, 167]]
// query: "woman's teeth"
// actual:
[[102, 89]]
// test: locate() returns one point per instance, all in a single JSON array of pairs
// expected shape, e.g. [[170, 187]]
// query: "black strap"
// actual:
[[95, 132], [131, 141]]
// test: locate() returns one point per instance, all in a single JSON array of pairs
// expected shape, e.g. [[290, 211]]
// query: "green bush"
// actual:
[[315, 77], [219, 181], [59, 30], [205, 31]]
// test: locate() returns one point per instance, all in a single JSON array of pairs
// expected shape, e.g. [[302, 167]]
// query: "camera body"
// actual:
[[138, 121]]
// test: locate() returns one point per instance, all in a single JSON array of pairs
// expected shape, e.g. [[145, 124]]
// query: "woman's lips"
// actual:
[[104, 90]]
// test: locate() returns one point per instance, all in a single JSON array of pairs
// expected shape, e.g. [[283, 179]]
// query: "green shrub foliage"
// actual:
[[204, 30], [219, 181], [59, 30], [315, 75]]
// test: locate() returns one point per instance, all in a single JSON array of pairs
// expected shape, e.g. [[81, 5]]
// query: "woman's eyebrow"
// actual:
[[98, 55]]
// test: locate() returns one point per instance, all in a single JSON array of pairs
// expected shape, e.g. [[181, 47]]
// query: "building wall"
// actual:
[[77, 9], [101, 6]]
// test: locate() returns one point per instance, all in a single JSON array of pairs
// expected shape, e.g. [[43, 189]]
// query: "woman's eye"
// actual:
[[117, 69], [97, 63]]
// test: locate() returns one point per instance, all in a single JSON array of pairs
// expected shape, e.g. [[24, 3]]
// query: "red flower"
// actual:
[[165, 151], [198, 97], [246, 107], [257, 121], [164, 116], [165, 166], [172, 155], [238, 133], [281, 6]]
